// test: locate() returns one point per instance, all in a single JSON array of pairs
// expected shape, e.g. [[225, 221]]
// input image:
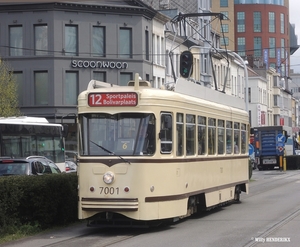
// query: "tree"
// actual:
[[8, 92]]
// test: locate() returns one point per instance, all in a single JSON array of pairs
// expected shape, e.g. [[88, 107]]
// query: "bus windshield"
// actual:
[[104, 134]]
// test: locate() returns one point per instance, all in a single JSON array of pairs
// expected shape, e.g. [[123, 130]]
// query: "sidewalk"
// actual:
[[51, 236]]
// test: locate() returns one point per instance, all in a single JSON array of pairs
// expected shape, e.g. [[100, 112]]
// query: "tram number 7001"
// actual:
[[109, 190]]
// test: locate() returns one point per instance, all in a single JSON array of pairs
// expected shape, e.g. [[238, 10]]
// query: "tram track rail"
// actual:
[[269, 183], [274, 226]]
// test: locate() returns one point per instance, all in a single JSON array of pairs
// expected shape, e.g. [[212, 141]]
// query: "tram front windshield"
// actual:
[[123, 134]]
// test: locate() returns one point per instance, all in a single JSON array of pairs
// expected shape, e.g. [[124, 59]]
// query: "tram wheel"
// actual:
[[237, 193]]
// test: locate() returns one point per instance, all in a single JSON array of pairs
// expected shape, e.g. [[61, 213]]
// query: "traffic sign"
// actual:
[[280, 149], [280, 138], [251, 149]]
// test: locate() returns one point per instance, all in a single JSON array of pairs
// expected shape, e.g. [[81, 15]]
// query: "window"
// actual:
[[223, 3], [224, 41], [256, 22], [201, 135], [282, 24], [225, 15], [165, 134], [125, 78], [71, 40], [168, 67], [240, 22], [271, 22], [179, 134], [190, 134], [147, 46], [157, 50], [71, 88], [125, 43], [98, 41], [16, 40], [237, 138], [282, 48], [99, 76], [18, 76], [241, 46], [162, 52], [41, 40], [41, 87], [225, 28], [204, 63], [272, 46], [228, 137], [273, 65], [257, 47], [221, 136], [244, 138], [211, 136]]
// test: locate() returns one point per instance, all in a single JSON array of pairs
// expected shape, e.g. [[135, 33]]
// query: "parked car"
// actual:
[[32, 165], [71, 161], [253, 161], [71, 166]]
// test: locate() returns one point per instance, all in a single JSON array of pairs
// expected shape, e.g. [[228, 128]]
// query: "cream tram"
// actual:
[[148, 155]]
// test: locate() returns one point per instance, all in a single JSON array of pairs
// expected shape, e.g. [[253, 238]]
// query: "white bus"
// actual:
[[23, 136], [148, 155]]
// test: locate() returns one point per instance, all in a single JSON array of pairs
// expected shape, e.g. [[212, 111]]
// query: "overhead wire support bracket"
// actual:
[[182, 16]]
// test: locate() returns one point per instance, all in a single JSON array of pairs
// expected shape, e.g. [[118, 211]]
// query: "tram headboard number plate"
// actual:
[[113, 99]]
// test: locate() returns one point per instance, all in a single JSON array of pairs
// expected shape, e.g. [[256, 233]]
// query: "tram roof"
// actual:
[[184, 91]]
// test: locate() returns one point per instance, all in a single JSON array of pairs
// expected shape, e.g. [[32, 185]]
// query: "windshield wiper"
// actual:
[[110, 152]]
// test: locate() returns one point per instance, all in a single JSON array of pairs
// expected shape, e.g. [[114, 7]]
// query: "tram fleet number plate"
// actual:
[[109, 190], [113, 99]]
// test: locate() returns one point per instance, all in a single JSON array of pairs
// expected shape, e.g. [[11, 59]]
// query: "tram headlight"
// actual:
[[108, 177]]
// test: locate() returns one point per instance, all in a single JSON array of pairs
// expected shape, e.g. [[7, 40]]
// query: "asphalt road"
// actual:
[[268, 216]]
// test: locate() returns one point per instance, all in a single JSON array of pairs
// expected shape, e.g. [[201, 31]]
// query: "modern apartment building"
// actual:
[[259, 31]]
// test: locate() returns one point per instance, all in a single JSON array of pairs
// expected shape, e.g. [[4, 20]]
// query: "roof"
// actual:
[[134, 7]]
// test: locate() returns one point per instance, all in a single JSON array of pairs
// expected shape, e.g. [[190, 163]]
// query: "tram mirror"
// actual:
[[65, 130], [163, 134], [160, 135]]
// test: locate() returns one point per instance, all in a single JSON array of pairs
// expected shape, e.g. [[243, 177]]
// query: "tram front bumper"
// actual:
[[104, 204]]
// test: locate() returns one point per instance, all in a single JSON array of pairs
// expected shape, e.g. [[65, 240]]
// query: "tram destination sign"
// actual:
[[113, 99]]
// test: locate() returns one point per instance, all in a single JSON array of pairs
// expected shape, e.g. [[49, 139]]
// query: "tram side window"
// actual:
[[190, 134], [211, 136], [228, 137], [179, 134], [201, 135], [237, 138], [221, 136], [243, 138], [165, 134]]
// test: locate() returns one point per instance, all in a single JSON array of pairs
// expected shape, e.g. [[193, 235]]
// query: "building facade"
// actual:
[[55, 49], [262, 34]]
